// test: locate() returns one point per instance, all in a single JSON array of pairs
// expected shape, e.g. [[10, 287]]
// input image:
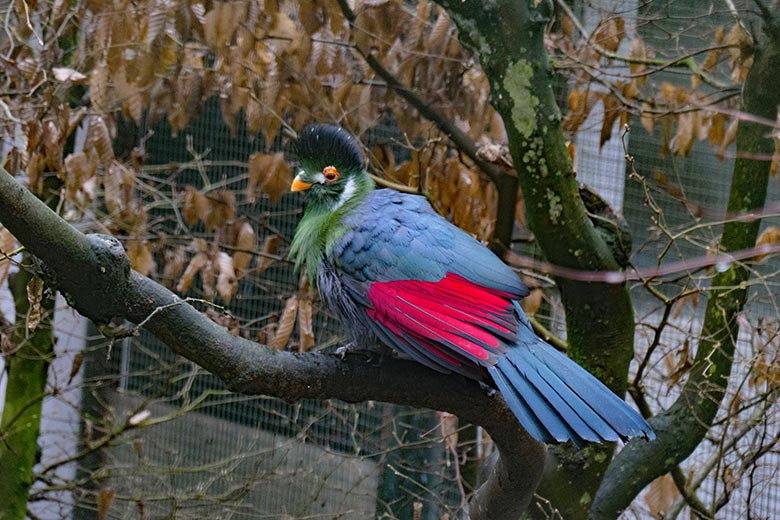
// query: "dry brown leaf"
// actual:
[[220, 23], [118, 184], [270, 247], [682, 142], [34, 298], [80, 171], [646, 118], [286, 323], [306, 324], [140, 254], [7, 245], [155, 21], [221, 209], [661, 494], [439, 31], [717, 129], [581, 102], [196, 206], [775, 166], [99, 137], [78, 360], [197, 264], [68, 74], [532, 302], [227, 284], [175, 260], [770, 235], [98, 86], [245, 244], [449, 430], [609, 33], [728, 138], [611, 114], [271, 172], [105, 497]]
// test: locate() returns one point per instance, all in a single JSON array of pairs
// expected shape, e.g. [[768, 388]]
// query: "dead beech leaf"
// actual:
[[221, 209], [98, 86], [306, 324], [245, 244], [268, 252], [7, 245], [682, 142], [271, 172], [646, 118], [661, 494], [611, 113], [609, 33], [99, 137], [105, 497], [34, 298], [155, 21], [227, 284], [118, 183], [775, 166], [286, 323], [770, 235], [532, 302], [198, 262], [175, 260], [220, 23], [196, 206], [728, 138], [68, 74], [78, 360], [140, 254]]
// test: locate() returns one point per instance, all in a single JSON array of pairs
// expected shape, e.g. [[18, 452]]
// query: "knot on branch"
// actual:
[[98, 287]]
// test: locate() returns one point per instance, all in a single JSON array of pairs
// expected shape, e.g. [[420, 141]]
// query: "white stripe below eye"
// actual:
[[349, 190]]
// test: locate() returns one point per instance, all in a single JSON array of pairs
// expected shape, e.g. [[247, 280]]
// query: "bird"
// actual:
[[398, 274]]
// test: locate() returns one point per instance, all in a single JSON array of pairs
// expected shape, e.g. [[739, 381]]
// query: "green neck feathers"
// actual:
[[322, 223]]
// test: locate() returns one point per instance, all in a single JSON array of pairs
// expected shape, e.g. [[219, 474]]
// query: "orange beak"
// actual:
[[299, 185]]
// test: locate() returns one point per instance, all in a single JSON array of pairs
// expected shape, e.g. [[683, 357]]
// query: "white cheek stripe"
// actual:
[[349, 191]]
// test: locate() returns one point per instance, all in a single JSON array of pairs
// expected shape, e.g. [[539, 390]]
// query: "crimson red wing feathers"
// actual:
[[451, 318]]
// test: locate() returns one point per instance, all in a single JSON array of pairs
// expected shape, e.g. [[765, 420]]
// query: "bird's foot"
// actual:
[[489, 390], [343, 350]]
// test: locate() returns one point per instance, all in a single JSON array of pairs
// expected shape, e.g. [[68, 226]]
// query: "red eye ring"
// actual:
[[330, 173]]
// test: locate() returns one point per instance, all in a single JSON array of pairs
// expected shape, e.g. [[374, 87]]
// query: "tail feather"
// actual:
[[556, 400]]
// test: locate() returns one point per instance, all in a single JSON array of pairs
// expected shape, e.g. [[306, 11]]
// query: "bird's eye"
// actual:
[[330, 173]]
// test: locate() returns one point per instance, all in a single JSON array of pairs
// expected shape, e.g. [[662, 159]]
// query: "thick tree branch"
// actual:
[[94, 272]]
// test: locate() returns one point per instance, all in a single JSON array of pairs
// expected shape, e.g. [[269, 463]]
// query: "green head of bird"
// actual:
[[332, 167]]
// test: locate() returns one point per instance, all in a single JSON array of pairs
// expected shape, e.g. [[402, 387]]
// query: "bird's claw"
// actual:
[[343, 350], [489, 390]]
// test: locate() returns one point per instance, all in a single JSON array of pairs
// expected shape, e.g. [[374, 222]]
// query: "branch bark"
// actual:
[[95, 273], [682, 427]]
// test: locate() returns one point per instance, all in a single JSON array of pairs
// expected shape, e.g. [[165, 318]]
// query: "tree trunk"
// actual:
[[27, 370]]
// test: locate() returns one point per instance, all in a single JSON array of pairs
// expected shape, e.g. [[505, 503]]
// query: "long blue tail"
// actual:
[[556, 400]]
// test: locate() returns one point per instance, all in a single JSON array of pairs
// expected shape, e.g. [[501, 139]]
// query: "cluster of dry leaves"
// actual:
[[277, 63], [283, 64], [701, 109]]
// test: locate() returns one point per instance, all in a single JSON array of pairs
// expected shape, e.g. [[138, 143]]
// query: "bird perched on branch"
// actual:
[[397, 273]]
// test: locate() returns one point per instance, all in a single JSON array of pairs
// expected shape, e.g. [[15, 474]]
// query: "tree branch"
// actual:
[[94, 272]]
